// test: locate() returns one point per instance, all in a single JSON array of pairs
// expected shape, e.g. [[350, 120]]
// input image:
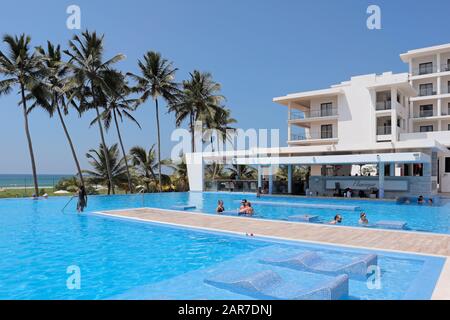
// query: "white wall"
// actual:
[[357, 121]]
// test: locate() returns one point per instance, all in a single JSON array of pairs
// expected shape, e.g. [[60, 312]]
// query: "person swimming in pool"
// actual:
[[246, 209], [430, 202], [220, 207], [420, 200], [363, 219], [243, 206], [337, 219], [250, 210]]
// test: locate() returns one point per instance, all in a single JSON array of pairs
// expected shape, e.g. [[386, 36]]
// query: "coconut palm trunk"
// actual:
[[102, 137], [30, 143], [72, 148], [105, 151], [191, 125], [130, 185], [159, 146]]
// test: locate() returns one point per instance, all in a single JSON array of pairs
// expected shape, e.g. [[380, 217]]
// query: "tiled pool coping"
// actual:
[[279, 230]]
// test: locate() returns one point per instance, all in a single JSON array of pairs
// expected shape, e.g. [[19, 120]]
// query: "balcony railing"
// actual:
[[384, 105], [424, 114], [430, 70], [298, 115], [445, 67], [384, 130], [312, 136], [427, 92], [424, 70]]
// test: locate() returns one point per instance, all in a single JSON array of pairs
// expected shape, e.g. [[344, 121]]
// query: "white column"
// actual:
[[381, 180], [290, 179], [439, 89], [438, 58], [394, 114], [195, 170], [289, 124], [439, 107], [271, 179], [259, 176], [392, 169]]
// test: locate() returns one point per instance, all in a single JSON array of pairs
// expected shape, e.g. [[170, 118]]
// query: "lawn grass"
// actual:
[[23, 193], [28, 193]]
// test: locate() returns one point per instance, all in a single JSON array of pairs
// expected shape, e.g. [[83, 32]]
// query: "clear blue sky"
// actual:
[[256, 49]]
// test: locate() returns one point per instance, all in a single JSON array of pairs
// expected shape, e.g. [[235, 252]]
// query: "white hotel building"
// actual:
[[398, 122]]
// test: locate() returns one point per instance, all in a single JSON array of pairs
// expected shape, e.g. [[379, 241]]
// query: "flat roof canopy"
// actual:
[[408, 157]]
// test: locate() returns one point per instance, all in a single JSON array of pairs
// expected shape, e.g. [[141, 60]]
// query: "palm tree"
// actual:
[[118, 105], [99, 174], [86, 59], [54, 93], [157, 80], [180, 175], [21, 68], [144, 163], [242, 172], [215, 170], [199, 100]]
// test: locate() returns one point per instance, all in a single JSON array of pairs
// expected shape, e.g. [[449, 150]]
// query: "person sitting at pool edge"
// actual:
[[337, 219], [220, 207], [363, 218], [420, 200]]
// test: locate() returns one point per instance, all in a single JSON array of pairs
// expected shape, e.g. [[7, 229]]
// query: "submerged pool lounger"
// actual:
[[269, 285], [181, 207], [312, 262], [399, 225], [304, 218], [307, 205]]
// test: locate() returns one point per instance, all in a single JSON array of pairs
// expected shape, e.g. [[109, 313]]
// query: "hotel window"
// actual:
[[447, 165], [326, 131], [426, 111], [384, 100], [426, 128], [448, 87], [426, 68], [446, 67], [426, 89], [448, 127], [326, 109]]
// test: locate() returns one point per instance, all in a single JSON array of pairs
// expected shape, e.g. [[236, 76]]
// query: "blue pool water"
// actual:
[[127, 259]]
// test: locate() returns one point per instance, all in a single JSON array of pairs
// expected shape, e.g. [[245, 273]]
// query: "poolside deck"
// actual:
[[386, 240]]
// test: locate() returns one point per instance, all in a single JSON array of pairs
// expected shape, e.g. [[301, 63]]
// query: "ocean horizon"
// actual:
[[26, 180]]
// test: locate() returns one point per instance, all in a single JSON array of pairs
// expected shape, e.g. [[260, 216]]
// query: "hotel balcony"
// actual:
[[384, 133], [384, 105], [313, 115], [313, 137], [384, 130], [425, 114], [445, 68], [429, 69], [427, 93], [426, 71]]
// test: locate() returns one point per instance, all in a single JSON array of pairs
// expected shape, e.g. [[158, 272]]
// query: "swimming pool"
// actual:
[[423, 218], [126, 259]]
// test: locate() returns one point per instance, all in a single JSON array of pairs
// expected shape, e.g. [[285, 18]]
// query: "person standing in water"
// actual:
[[82, 199]]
